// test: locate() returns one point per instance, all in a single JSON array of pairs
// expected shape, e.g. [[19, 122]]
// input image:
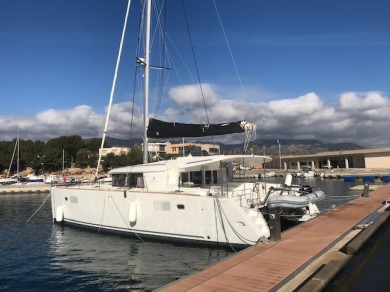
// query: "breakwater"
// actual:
[[348, 175], [25, 188]]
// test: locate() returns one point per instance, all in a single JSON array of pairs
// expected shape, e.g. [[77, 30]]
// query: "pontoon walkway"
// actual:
[[285, 265]]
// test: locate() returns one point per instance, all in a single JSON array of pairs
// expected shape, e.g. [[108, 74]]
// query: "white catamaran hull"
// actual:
[[178, 217]]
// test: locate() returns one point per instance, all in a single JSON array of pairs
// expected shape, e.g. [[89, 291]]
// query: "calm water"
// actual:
[[38, 255]]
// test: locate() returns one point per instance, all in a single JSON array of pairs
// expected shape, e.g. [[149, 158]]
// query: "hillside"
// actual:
[[269, 146]]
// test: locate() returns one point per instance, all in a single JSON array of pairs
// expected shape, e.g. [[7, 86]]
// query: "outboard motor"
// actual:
[[306, 189]]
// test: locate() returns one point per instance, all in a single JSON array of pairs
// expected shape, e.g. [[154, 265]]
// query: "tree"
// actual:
[[55, 148], [94, 144], [86, 158], [134, 156]]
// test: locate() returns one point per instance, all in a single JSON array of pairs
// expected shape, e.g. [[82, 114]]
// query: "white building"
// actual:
[[177, 148], [114, 150]]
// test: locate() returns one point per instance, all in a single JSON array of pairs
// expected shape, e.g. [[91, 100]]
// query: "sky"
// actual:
[[298, 69]]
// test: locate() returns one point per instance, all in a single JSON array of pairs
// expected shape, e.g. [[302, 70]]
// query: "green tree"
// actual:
[[55, 148], [134, 156], [86, 158], [94, 145]]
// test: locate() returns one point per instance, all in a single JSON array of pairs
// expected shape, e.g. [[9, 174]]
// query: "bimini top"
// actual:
[[190, 163]]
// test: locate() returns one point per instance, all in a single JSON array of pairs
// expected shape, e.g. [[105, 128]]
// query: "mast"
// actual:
[[113, 88], [146, 97], [18, 157]]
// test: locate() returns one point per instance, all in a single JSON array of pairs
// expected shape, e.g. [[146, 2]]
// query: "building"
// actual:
[[362, 158], [183, 148], [114, 150]]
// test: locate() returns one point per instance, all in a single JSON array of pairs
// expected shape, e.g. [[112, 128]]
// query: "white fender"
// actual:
[[288, 180], [313, 209], [59, 214], [133, 213]]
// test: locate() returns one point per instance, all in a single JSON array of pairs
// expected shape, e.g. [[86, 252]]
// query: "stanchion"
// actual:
[[366, 190], [274, 224]]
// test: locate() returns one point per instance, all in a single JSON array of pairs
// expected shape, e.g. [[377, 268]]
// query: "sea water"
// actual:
[[41, 256]]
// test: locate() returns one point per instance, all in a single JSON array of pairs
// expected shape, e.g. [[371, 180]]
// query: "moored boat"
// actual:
[[186, 199]]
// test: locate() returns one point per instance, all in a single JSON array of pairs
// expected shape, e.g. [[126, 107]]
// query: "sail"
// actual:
[[161, 129]]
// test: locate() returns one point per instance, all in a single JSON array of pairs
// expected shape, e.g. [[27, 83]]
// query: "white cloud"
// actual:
[[357, 117], [304, 105], [190, 96], [352, 101]]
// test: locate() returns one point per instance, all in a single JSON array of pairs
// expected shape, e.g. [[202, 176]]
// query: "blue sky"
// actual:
[[309, 69]]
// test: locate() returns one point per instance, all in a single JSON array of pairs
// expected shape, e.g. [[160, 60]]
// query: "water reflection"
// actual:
[[116, 262]]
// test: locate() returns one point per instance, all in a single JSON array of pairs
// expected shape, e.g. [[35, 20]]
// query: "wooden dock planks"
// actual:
[[265, 266]]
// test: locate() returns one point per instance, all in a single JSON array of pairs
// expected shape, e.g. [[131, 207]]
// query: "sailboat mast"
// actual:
[[18, 157], [113, 88], [146, 90]]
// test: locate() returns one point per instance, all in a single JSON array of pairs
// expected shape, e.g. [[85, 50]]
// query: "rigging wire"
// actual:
[[229, 47], [136, 73], [195, 62], [161, 21]]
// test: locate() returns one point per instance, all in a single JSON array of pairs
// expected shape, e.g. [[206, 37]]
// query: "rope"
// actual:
[[124, 221], [144, 242], [219, 209], [38, 208], [242, 238], [101, 220]]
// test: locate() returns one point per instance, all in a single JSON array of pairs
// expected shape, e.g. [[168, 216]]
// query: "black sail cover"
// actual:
[[161, 129]]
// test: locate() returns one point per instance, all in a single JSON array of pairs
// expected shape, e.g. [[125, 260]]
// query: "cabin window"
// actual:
[[190, 179], [132, 180], [136, 180], [119, 180], [180, 206], [211, 177], [194, 178]]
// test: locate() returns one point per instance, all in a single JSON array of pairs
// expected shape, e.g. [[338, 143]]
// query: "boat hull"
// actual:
[[175, 217]]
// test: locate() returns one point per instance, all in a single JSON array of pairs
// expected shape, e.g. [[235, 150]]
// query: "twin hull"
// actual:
[[174, 216]]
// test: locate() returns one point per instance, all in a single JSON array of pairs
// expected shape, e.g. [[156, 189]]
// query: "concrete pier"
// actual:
[[356, 173], [25, 188]]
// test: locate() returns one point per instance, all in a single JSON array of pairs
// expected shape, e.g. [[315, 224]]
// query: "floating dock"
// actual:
[[307, 258]]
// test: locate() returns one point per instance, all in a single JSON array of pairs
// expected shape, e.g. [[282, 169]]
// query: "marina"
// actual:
[[32, 188], [198, 179], [286, 265], [67, 257]]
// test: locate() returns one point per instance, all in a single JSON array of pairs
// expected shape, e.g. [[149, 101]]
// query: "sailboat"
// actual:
[[189, 199], [15, 178]]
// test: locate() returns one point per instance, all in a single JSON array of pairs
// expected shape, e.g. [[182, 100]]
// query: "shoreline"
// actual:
[[25, 189], [358, 173]]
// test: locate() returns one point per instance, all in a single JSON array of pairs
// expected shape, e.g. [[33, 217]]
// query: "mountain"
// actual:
[[289, 146], [261, 146], [114, 142]]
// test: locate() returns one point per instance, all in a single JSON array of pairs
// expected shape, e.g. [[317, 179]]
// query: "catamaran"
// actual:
[[188, 199]]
